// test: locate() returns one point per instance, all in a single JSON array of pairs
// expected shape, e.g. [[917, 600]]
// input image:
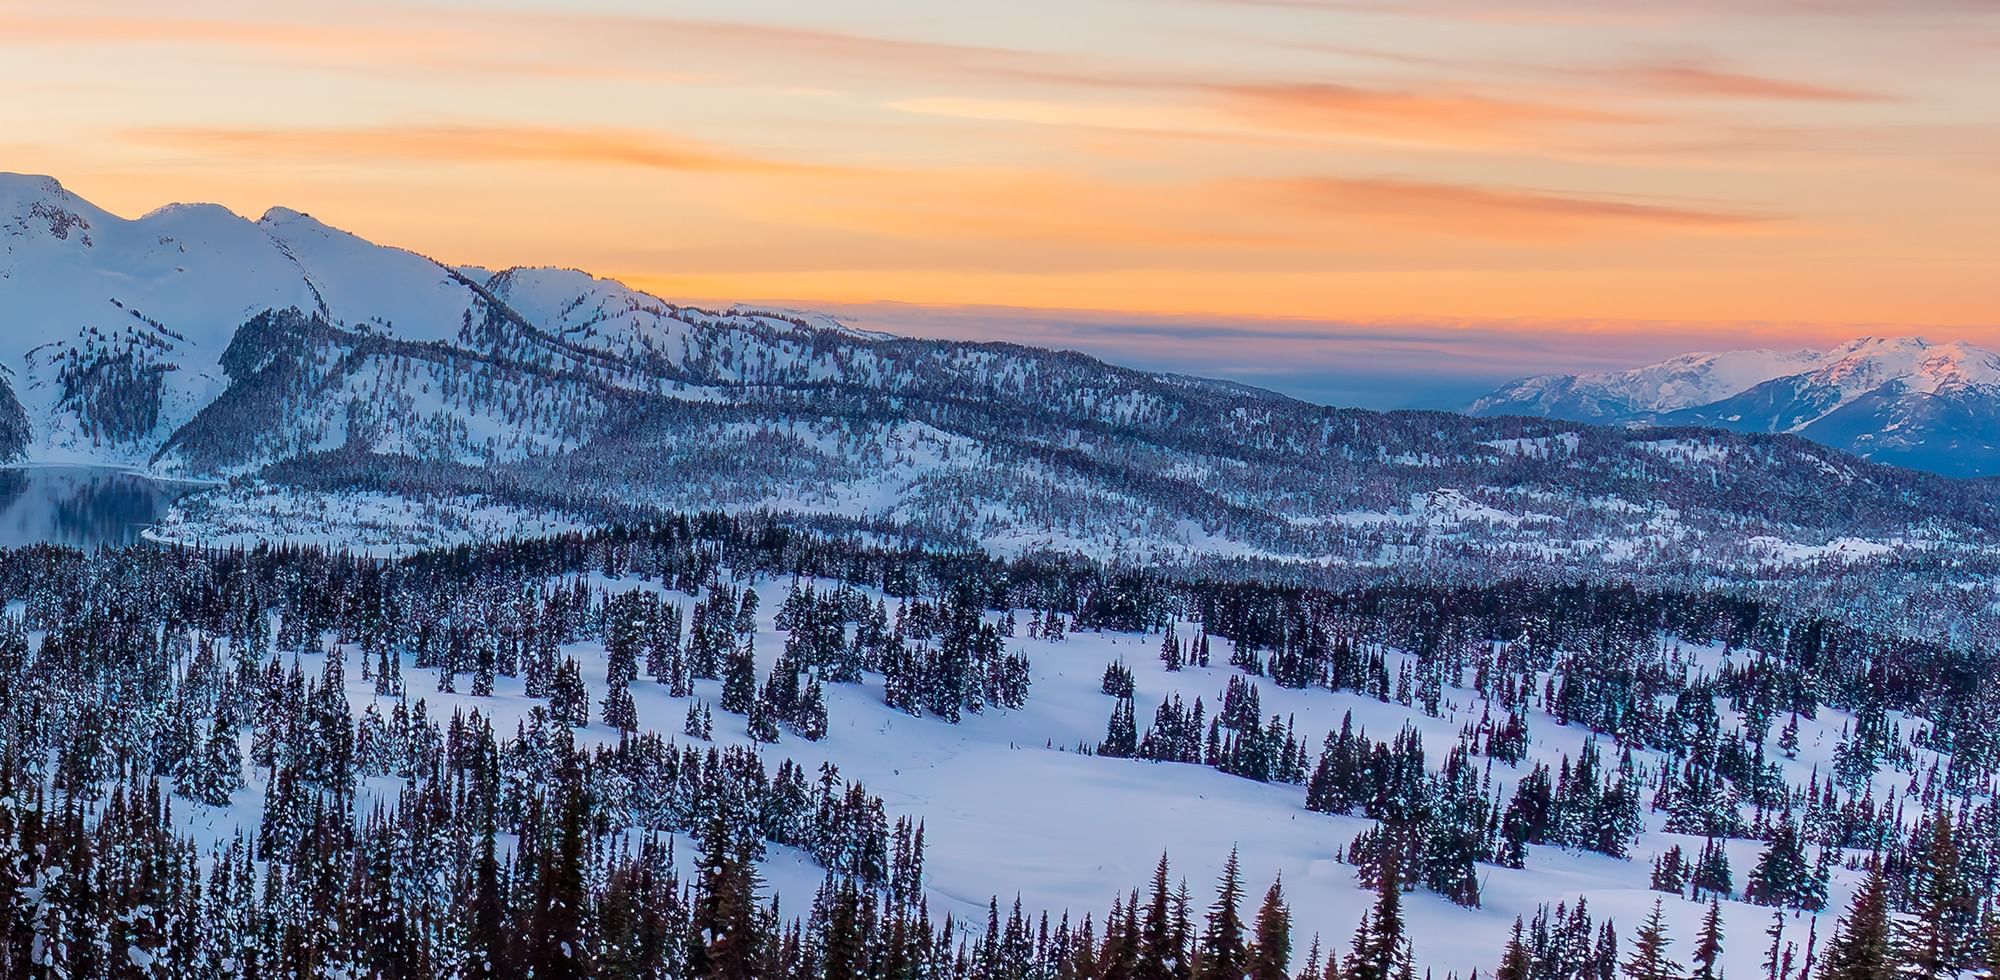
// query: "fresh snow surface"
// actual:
[[1011, 808]]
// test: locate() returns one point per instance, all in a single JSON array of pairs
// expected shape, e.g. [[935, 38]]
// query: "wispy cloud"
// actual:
[[1437, 114], [1702, 80], [474, 144], [813, 46], [1625, 12], [1702, 76], [1494, 212]]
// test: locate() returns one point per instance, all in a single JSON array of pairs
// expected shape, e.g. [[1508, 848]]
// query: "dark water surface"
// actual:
[[84, 506]]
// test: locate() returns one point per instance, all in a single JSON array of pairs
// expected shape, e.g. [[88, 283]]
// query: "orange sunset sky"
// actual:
[[1241, 179]]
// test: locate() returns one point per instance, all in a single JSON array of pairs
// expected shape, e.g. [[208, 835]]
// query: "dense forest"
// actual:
[[375, 838]]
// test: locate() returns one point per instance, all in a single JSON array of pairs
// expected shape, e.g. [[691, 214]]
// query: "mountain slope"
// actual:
[[194, 342], [1905, 401]]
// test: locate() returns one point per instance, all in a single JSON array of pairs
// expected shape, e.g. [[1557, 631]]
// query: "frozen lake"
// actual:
[[84, 506]]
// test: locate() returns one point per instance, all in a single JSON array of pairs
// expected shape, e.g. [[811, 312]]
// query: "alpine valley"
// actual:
[[527, 625]]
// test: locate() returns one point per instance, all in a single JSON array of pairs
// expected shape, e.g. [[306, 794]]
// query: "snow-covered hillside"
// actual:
[[1011, 807], [1563, 748]]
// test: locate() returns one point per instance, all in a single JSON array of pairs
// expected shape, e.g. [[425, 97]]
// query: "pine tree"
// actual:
[[1782, 877], [1788, 737], [1863, 947], [1775, 956], [568, 699], [1380, 950], [811, 720], [1649, 960], [726, 942], [1708, 944], [1989, 946], [486, 940], [1121, 733], [1159, 955], [217, 772], [1223, 956], [619, 710], [1271, 951], [1711, 872], [1943, 913], [739, 679], [1312, 970], [762, 725], [1514, 961], [555, 936]]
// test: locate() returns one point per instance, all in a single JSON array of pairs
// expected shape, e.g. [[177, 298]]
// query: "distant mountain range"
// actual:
[[322, 372], [1899, 400]]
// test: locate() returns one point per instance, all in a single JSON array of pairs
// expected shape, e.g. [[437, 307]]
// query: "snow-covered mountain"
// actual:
[[354, 384], [115, 329], [1902, 400]]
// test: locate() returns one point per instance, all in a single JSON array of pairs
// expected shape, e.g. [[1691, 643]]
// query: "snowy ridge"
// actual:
[[1676, 383]]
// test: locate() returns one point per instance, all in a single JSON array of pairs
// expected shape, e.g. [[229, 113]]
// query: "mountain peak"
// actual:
[[33, 203], [195, 210], [14, 186], [281, 215], [1903, 399], [1879, 345]]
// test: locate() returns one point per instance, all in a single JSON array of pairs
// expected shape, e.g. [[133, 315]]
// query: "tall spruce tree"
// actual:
[[1708, 944], [1649, 959], [727, 942], [1515, 964], [1160, 955], [1223, 955], [1271, 949], [1381, 951], [1935, 936]]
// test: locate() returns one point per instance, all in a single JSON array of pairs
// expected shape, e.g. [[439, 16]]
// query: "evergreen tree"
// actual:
[[1271, 950], [1514, 960], [1161, 955], [1649, 960], [620, 711], [1782, 877], [1863, 946], [810, 719], [1121, 733], [727, 942], [1708, 944], [1943, 917], [1380, 950], [739, 678], [698, 723], [1223, 955], [554, 938]]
